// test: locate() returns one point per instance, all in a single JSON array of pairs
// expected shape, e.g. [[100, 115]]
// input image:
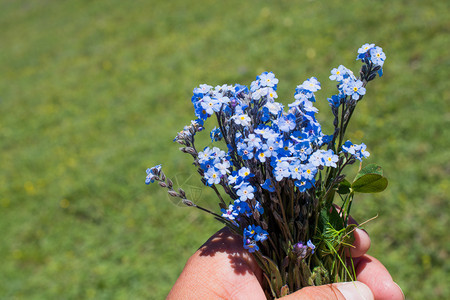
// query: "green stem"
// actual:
[[218, 194]]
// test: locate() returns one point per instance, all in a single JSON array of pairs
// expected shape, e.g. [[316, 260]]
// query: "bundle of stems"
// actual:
[[287, 195]]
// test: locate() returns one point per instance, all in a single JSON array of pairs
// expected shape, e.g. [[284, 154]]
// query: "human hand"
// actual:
[[223, 269]]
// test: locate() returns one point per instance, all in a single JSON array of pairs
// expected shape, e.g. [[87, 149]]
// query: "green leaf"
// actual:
[[370, 183], [344, 187], [275, 277], [329, 198], [335, 219], [369, 169], [320, 276], [330, 219]]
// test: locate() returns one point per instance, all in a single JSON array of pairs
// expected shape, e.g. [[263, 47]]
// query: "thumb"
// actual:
[[337, 291]]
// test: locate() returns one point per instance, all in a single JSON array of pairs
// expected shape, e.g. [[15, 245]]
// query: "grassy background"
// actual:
[[92, 93]]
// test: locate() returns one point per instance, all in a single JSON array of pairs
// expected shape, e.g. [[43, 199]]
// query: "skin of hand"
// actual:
[[223, 269]]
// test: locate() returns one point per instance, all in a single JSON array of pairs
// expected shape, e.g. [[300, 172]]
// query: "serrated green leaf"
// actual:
[[369, 169], [370, 183]]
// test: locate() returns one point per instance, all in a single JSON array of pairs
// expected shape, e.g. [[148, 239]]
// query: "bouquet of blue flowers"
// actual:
[[287, 195]]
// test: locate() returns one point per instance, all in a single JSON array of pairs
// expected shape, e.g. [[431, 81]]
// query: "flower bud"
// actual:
[[190, 150], [162, 184], [169, 183], [188, 202], [173, 193], [300, 250]]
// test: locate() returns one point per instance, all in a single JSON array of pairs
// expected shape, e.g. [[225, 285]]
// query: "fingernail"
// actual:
[[355, 290], [400, 290]]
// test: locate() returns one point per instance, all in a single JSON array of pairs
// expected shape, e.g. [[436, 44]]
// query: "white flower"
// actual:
[[243, 119]]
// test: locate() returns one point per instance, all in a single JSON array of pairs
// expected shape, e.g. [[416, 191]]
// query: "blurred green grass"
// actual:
[[92, 93]]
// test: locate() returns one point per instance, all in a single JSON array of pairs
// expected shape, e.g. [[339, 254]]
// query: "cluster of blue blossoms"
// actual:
[[269, 145]]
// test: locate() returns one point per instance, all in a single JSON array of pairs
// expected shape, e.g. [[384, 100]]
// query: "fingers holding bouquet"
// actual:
[[222, 269]]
